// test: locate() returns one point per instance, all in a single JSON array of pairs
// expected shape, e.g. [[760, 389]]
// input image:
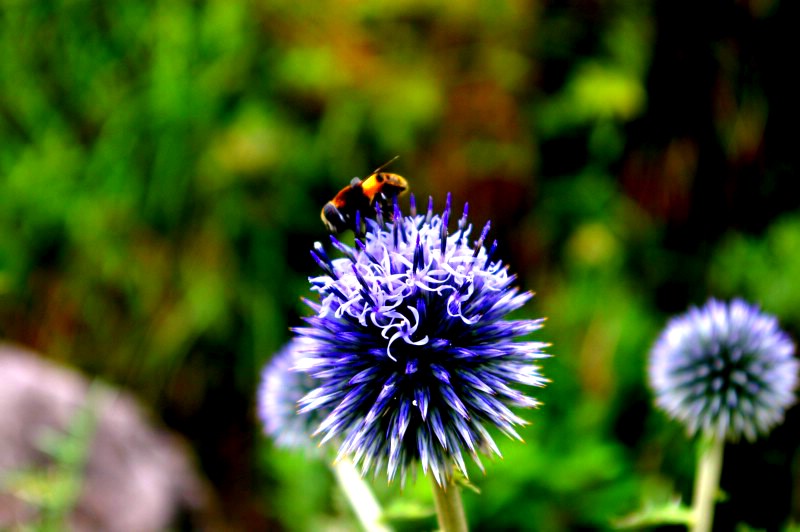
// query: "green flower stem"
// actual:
[[449, 508], [359, 495], [706, 483]]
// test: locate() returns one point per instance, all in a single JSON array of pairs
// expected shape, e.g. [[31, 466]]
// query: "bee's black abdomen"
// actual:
[[334, 219]]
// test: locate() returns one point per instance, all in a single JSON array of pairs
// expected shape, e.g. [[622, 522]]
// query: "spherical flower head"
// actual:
[[725, 370], [412, 353], [280, 389]]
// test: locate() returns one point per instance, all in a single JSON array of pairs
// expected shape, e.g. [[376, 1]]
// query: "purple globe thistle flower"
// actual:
[[725, 369], [280, 389], [411, 350]]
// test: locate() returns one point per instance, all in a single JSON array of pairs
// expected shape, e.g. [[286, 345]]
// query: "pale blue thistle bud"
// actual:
[[280, 389], [724, 370]]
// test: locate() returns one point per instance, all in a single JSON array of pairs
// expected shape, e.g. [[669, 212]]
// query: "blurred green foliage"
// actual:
[[763, 269], [162, 167]]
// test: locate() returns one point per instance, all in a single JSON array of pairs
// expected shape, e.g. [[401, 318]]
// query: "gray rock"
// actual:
[[137, 477]]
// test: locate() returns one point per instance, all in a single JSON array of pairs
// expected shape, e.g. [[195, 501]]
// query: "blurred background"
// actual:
[[163, 165]]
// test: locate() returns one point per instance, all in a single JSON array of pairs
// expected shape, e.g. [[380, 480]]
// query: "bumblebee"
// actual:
[[339, 214]]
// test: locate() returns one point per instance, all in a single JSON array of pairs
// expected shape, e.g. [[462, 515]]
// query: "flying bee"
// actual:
[[339, 214]]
